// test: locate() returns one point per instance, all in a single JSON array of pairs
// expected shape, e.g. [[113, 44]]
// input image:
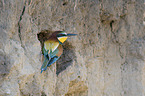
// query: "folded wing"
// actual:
[[51, 53]]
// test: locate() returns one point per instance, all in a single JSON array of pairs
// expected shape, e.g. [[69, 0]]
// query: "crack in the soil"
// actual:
[[19, 26], [111, 25]]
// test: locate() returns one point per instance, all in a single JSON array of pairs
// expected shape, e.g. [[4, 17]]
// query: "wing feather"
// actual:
[[50, 47], [51, 51]]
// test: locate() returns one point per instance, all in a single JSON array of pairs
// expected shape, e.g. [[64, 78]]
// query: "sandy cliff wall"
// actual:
[[107, 58]]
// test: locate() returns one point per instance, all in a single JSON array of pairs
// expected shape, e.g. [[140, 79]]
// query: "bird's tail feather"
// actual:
[[44, 66]]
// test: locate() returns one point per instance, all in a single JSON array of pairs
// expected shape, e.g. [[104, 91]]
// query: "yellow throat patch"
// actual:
[[62, 39]]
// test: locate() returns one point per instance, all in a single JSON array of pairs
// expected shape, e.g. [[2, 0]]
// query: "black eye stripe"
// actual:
[[61, 35]]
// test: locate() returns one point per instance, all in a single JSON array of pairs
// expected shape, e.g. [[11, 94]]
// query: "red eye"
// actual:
[[61, 34]]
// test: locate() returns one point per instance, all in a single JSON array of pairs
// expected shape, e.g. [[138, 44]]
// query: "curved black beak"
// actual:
[[71, 34]]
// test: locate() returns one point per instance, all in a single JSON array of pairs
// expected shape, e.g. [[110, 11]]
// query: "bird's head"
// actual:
[[62, 36]]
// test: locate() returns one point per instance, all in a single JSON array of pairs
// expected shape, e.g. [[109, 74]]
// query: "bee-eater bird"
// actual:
[[52, 48]]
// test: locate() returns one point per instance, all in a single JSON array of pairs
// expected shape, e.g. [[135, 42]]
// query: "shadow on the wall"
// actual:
[[66, 59], [68, 53], [4, 65]]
